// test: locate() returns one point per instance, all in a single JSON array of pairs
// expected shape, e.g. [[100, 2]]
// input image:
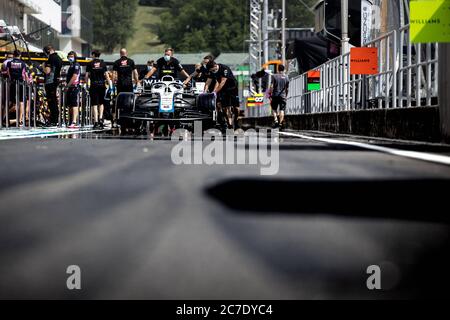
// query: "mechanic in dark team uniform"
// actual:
[[226, 89], [167, 66], [96, 72], [198, 75], [9, 57], [201, 74], [125, 73], [16, 71], [52, 70], [73, 90], [4, 75], [143, 73]]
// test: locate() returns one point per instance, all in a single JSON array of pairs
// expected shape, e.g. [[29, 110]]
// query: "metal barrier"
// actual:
[[407, 77], [417, 73], [17, 98], [32, 110]]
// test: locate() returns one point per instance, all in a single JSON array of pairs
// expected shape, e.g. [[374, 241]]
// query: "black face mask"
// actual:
[[198, 70]]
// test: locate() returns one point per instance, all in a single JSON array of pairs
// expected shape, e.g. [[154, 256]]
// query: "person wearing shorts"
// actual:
[[17, 73], [72, 94], [97, 73], [4, 75], [279, 89]]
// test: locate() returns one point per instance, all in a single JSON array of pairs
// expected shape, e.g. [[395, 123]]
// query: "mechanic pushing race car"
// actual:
[[161, 106], [143, 73], [226, 89], [168, 65], [201, 73]]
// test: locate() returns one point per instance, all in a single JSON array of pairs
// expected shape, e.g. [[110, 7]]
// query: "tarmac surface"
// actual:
[[141, 227]]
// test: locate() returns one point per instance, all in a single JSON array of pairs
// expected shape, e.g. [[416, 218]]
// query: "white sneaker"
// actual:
[[73, 126]]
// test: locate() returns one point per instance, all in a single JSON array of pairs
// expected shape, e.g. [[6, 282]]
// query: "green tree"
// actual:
[[211, 25], [113, 22], [205, 25]]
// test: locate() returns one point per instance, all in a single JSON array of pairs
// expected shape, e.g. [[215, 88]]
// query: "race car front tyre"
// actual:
[[206, 102], [125, 101]]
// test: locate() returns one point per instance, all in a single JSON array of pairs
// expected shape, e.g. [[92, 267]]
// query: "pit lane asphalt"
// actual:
[[141, 227]]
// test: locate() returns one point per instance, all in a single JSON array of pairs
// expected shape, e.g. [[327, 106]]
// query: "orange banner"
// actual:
[[314, 74], [364, 61]]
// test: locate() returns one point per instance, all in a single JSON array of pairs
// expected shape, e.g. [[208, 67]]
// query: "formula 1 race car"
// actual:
[[165, 102]]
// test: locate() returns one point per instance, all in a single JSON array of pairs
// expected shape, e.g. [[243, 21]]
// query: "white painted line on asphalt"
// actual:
[[402, 153], [44, 134]]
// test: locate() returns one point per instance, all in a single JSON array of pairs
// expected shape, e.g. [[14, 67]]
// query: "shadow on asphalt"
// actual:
[[422, 265], [416, 200]]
